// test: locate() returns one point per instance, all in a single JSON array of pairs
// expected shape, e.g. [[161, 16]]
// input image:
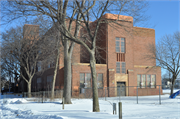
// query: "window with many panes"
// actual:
[[141, 81], [121, 67], [146, 81], [120, 45], [85, 80]]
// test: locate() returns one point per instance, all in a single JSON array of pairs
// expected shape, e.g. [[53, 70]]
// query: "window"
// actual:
[[51, 64], [141, 81], [82, 81], [49, 81], [38, 83], [39, 66], [117, 44], [88, 80], [117, 67], [121, 67], [85, 80], [120, 45], [153, 81], [100, 81], [150, 82], [38, 80]]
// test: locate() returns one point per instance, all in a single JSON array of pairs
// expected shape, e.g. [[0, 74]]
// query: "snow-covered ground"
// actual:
[[148, 107], [166, 91]]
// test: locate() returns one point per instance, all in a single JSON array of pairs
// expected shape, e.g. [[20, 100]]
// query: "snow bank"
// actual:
[[14, 101]]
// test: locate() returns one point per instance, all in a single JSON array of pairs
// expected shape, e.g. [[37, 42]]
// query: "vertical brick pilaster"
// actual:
[[111, 83]]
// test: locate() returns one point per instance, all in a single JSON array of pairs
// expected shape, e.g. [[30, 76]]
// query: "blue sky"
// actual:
[[165, 17]]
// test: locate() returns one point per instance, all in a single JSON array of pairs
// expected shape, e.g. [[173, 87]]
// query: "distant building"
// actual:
[[167, 83], [122, 62]]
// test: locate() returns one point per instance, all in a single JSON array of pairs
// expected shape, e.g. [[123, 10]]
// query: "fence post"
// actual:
[[105, 93], [137, 95], [159, 95], [120, 110], [114, 108], [119, 93], [42, 96], [63, 103]]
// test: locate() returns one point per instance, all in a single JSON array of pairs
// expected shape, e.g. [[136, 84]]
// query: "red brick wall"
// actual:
[[143, 37], [85, 68]]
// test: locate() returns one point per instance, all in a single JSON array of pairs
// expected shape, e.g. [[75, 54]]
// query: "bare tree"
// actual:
[[167, 55], [22, 49], [59, 11], [64, 14]]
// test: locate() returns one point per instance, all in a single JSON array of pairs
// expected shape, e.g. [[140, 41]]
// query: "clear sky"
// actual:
[[165, 17]]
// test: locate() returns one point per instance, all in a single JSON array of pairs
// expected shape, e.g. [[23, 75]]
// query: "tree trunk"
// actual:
[[67, 75], [55, 74], [29, 90], [172, 87], [94, 82]]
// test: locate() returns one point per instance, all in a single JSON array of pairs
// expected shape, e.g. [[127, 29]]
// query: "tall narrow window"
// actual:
[[117, 67], [117, 44], [38, 83], [153, 81], [82, 81], [88, 80], [123, 67], [100, 80], [149, 81], [143, 81], [120, 45], [139, 81]]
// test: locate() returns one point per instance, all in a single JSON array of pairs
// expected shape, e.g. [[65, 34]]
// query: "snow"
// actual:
[[169, 91], [148, 107]]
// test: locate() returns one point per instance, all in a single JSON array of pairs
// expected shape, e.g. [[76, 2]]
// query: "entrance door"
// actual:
[[121, 89]]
